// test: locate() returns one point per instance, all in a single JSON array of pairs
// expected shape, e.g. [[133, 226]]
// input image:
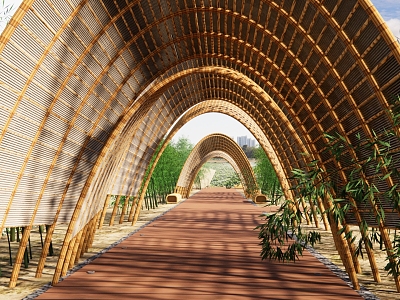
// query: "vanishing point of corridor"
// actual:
[[205, 248]]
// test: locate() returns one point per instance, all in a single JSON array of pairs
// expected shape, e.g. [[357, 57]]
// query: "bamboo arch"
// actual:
[[77, 75], [218, 154], [208, 147]]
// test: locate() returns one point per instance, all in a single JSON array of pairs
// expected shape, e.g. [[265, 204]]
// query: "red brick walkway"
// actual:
[[205, 248]]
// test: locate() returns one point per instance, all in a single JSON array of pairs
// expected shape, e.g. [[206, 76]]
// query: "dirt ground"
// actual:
[[386, 289], [27, 283]]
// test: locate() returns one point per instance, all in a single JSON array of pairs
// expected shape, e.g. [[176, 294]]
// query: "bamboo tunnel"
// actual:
[[92, 92]]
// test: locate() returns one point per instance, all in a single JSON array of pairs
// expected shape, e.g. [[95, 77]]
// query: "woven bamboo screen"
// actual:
[[89, 88], [207, 148]]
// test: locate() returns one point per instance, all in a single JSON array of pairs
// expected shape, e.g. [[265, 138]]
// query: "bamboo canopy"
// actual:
[[90, 88], [240, 115], [216, 145]]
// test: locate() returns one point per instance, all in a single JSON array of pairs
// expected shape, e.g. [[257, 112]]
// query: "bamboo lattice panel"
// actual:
[[88, 89]]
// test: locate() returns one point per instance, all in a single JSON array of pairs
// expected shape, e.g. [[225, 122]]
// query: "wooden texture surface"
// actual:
[[89, 89], [205, 248]]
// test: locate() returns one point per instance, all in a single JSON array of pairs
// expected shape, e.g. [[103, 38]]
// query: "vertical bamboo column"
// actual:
[[344, 252], [389, 250], [62, 257], [85, 243], [75, 249], [92, 232], [138, 209], [341, 243], [20, 256], [104, 211], [94, 228], [45, 251], [314, 213], [133, 209], [81, 244], [124, 208], [68, 255], [114, 212], [90, 229], [370, 252], [352, 249]]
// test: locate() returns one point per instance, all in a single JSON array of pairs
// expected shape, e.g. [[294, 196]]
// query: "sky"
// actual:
[[209, 123]]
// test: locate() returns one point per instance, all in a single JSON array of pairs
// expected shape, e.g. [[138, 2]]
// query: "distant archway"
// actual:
[[209, 147]]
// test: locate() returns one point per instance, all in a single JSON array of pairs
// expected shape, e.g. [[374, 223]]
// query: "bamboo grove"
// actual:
[[362, 191]]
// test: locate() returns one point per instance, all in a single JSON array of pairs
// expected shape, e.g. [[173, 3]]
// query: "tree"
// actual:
[[167, 171], [249, 151], [265, 174]]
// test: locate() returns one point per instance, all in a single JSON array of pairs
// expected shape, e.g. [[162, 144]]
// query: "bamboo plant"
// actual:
[[362, 166]]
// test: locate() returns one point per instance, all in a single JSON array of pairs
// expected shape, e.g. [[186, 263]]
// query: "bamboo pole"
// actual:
[[90, 226], [104, 211], [68, 255], [92, 232], [138, 209], [79, 252], [133, 209], [45, 250], [20, 256], [389, 250], [323, 215], [75, 249], [368, 249], [62, 258], [124, 208], [352, 250], [85, 243], [114, 212], [314, 213], [344, 252]]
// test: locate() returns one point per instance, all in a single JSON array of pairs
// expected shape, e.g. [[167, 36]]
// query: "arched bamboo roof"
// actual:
[[235, 112], [209, 147], [88, 90]]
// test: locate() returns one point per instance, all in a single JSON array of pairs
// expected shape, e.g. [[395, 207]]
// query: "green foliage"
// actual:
[[361, 167], [232, 180], [265, 175], [393, 266], [277, 234], [201, 174], [249, 151], [167, 171], [224, 175]]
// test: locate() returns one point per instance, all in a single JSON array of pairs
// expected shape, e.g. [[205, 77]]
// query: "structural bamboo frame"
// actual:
[[88, 91], [208, 148]]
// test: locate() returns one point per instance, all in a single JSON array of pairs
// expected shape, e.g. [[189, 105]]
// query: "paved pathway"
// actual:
[[205, 248]]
